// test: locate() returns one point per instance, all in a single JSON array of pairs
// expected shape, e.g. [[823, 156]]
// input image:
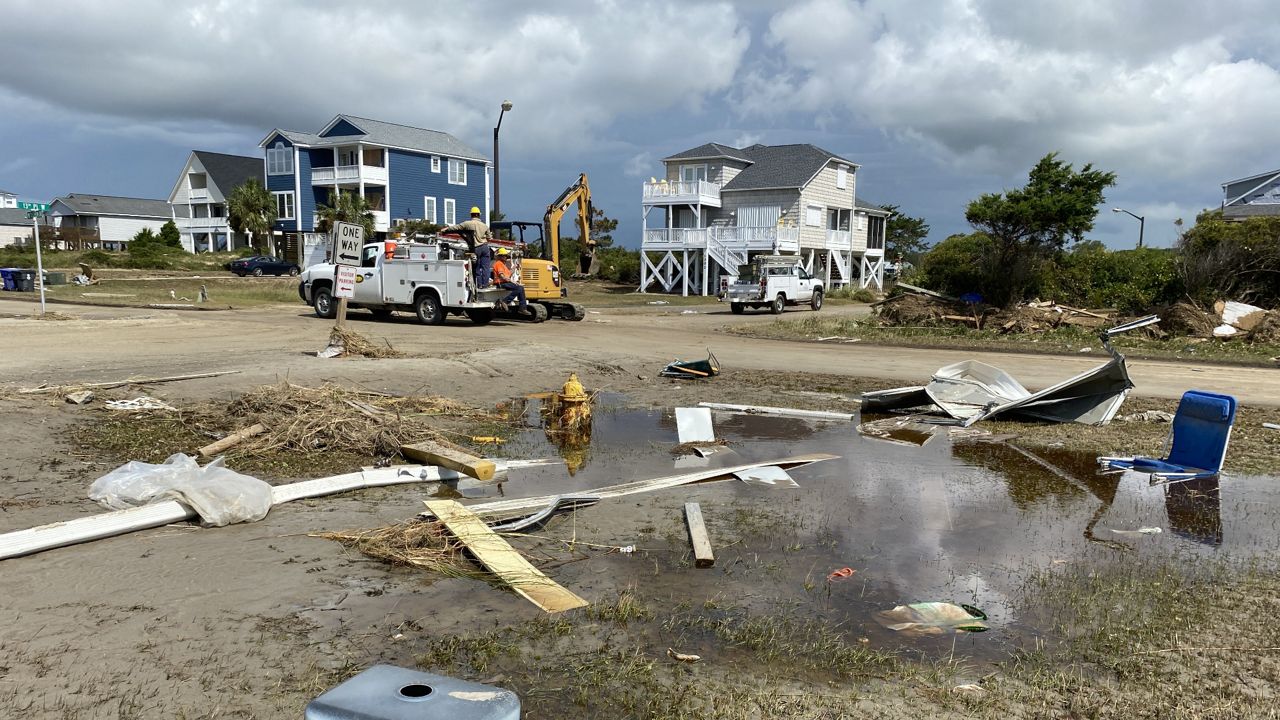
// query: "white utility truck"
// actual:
[[773, 281], [428, 277]]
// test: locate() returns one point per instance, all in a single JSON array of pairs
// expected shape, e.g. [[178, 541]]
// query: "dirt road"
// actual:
[[267, 343]]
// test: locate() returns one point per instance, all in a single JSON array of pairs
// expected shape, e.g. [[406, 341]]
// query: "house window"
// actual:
[[842, 177], [457, 172], [430, 213], [813, 215], [284, 205], [450, 210], [279, 160], [435, 163], [692, 173]]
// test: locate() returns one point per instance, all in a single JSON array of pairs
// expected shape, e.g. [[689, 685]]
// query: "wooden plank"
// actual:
[[502, 560], [516, 505], [779, 411], [131, 381], [433, 453], [232, 440], [703, 557]]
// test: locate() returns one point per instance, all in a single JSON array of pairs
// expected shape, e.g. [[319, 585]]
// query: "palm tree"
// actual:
[[251, 208], [347, 207]]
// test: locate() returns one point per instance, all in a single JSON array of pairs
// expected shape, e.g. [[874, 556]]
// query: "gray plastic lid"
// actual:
[[387, 692]]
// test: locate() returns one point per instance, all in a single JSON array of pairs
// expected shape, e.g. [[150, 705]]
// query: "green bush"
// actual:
[[849, 292], [169, 235], [619, 265], [1232, 260], [958, 265]]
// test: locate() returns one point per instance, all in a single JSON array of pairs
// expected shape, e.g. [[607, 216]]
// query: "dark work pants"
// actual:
[[484, 264], [517, 293]]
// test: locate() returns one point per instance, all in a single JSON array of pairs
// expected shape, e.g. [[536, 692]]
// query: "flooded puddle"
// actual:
[[958, 520]]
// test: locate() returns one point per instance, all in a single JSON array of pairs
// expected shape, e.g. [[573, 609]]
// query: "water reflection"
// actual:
[[1194, 508]]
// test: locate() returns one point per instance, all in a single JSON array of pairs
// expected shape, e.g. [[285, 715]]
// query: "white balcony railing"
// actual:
[[203, 224], [352, 174], [762, 239], [839, 240], [666, 192]]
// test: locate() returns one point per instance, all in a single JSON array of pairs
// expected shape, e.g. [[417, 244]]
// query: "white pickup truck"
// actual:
[[429, 278], [773, 281]]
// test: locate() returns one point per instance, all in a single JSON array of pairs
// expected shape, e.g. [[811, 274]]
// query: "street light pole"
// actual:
[[1142, 223], [497, 184]]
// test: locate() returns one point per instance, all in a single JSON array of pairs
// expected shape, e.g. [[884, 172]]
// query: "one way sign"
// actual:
[[348, 239]]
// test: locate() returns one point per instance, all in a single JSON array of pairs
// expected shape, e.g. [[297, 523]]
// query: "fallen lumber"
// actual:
[[703, 557], [1089, 313], [433, 453], [516, 505], [232, 440], [501, 559], [121, 522], [782, 412], [118, 383], [924, 291]]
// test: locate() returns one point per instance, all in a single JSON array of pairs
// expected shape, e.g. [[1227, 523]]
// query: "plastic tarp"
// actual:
[[932, 618], [219, 495]]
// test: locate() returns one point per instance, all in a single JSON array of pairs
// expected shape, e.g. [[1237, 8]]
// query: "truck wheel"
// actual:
[[257, 272], [323, 303], [480, 316], [737, 308], [816, 301], [428, 309], [779, 304]]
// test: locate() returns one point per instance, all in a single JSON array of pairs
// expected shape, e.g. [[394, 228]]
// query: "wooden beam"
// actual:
[[232, 440], [501, 559], [131, 381], [433, 453], [703, 557]]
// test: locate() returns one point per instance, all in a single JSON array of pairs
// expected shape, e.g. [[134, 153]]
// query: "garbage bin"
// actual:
[[6, 278], [386, 692], [24, 280], [55, 278]]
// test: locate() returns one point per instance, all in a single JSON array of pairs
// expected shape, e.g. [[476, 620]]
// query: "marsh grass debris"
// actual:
[[423, 544], [353, 343]]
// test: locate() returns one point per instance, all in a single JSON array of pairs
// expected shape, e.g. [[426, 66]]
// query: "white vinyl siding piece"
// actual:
[[435, 163], [457, 172], [430, 210], [813, 215], [842, 177], [280, 160], [450, 211], [284, 205]]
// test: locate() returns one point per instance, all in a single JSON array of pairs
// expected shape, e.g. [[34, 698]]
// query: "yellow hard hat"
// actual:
[[475, 210], [503, 251]]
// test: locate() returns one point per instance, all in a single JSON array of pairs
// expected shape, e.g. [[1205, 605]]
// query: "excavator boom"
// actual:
[[580, 193]]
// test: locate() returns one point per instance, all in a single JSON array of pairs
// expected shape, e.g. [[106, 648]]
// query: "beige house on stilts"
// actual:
[[718, 206]]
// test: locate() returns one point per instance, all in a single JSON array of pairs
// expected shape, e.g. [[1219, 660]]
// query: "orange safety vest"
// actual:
[[502, 272]]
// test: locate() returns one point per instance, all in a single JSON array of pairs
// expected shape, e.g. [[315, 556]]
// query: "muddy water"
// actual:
[[960, 520]]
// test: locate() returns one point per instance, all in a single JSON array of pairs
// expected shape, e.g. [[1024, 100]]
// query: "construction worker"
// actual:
[[507, 281], [477, 235]]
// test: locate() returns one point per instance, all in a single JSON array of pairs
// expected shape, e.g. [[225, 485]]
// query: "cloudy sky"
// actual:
[[938, 100]]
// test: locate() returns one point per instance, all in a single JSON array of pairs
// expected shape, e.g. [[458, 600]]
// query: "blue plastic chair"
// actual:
[[1197, 443]]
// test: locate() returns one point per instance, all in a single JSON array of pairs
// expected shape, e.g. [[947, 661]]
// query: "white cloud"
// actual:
[[571, 69], [992, 86], [640, 165]]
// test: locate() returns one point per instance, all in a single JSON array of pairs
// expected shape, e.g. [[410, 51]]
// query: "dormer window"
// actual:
[[279, 159]]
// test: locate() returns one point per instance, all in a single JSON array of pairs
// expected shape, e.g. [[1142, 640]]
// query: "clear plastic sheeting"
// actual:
[[219, 495]]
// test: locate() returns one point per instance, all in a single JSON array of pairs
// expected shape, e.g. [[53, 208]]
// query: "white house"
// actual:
[[8, 199], [1253, 196], [199, 199], [110, 221], [717, 206], [15, 227]]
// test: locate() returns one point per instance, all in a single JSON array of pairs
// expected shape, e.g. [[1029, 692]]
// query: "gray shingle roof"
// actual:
[[1245, 211], [110, 205], [298, 138], [780, 166], [1259, 176], [710, 151], [861, 204], [229, 171], [14, 216], [411, 138]]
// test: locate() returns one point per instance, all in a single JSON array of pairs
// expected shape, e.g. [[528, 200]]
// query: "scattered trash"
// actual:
[[767, 476], [80, 397], [1139, 531], [558, 504], [450, 456], [782, 412], [627, 549], [1238, 315], [139, 404], [906, 430], [344, 342], [386, 691], [1151, 416], [690, 312], [231, 440], [703, 557], [971, 391], [1086, 350], [693, 369], [117, 383], [487, 440], [501, 559], [658, 302], [683, 657], [843, 573], [694, 425], [219, 495], [969, 688], [932, 618], [1271, 426], [1198, 440]]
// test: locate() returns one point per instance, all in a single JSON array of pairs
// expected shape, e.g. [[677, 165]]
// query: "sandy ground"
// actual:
[[250, 621]]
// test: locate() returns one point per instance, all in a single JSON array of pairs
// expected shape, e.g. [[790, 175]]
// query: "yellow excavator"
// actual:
[[539, 248]]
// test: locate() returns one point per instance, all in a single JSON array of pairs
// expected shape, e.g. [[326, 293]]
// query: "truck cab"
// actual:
[[774, 281], [428, 277]]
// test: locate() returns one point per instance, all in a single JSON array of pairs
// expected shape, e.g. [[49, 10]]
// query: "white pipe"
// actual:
[[781, 412]]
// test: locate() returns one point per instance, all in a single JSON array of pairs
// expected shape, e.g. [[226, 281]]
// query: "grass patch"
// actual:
[[69, 260], [1063, 340], [223, 292]]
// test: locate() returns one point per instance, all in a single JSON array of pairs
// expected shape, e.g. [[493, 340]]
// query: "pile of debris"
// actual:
[[1228, 320], [918, 307]]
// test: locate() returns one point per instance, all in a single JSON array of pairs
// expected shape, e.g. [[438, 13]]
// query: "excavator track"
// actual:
[[537, 313], [565, 310]]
